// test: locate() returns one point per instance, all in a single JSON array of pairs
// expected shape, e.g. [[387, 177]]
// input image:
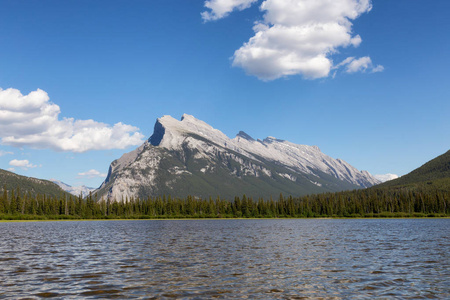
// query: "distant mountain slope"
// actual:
[[386, 177], [74, 190], [189, 157], [29, 184], [436, 171]]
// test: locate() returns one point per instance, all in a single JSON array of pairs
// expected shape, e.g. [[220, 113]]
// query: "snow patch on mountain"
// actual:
[[178, 170], [316, 183], [288, 176]]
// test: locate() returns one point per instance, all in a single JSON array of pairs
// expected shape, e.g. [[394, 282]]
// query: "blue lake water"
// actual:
[[197, 259]]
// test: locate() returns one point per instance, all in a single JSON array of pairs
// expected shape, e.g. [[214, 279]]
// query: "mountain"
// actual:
[[436, 172], [74, 190], [34, 186], [386, 177], [189, 157]]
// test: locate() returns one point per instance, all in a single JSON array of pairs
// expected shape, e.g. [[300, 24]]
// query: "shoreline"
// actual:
[[218, 219]]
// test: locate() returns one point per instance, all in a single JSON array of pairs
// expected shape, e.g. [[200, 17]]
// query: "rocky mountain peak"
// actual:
[[170, 132], [189, 118], [245, 136]]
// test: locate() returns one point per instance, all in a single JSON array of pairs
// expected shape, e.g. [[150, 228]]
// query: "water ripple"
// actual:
[[225, 259]]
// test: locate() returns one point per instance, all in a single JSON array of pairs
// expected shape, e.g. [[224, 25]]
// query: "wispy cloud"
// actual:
[[92, 174], [2, 153], [23, 164], [362, 64], [32, 120], [296, 37]]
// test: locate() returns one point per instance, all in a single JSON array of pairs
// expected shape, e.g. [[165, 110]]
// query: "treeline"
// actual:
[[358, 203]]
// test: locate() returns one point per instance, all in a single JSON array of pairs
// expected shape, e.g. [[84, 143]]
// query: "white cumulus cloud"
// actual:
[[297, 37], [32, 120], [92, 174], [222, 8], [24, 164]]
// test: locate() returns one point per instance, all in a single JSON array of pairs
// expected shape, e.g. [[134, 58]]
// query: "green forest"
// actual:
[[368, 203]]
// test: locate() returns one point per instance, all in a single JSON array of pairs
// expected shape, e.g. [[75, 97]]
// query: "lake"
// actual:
[[197, 259]]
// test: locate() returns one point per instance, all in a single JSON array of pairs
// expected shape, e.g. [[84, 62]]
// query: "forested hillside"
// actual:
[[435, 174], [30, 186]]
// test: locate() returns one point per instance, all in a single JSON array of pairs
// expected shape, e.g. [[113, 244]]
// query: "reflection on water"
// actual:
[[287, 259]]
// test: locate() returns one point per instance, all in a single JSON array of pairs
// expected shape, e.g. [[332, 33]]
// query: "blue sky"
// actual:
[[371, 88]]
